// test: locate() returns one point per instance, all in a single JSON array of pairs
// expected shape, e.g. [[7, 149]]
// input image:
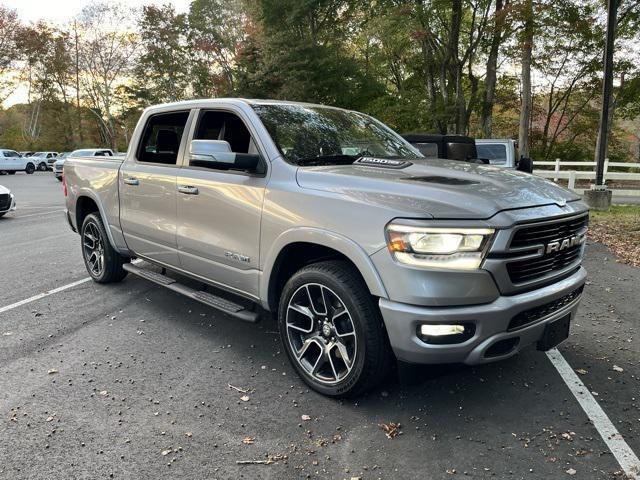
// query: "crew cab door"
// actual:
[[147, 188], [220, 209]]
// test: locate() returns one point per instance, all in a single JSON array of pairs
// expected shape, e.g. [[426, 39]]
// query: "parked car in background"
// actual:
[[500, 152], [7, 201], [452, 147], [26, 154], [52, 161], [58, 165], [360, 246], [41, 159], [11, 162]]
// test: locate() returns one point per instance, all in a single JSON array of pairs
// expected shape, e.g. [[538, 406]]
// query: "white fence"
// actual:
[[572, 175]]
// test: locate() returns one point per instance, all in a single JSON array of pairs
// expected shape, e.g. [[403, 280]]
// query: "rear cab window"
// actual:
[[496, 153]]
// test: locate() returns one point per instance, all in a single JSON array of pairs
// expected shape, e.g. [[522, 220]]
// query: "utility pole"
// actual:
[[599, 197], [526, 104]]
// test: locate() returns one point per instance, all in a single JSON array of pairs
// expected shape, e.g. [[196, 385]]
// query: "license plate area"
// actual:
[[555, 333]]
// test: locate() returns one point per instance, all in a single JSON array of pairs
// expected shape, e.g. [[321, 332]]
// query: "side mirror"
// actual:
[[217, 155], [525, 165]]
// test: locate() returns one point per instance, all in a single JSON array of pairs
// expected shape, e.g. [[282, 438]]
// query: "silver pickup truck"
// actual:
[[365, 251]]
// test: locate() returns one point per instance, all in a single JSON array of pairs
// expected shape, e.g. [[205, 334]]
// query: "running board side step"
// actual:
[[226, 306]]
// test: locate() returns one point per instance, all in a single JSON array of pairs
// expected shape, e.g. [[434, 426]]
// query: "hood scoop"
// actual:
[[442, 180]]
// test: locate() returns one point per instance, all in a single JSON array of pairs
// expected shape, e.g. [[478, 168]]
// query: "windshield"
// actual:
[[321, 135]]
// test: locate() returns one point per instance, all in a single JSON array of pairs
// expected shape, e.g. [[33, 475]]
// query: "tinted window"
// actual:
[[224, 126], [11, 153], [428, 149], [161, 138], [495, 153]]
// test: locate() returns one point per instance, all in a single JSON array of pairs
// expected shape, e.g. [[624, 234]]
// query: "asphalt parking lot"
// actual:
[[131, 381]]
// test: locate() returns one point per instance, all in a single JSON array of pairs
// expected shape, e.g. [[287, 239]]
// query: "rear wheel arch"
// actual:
[[86, 205]]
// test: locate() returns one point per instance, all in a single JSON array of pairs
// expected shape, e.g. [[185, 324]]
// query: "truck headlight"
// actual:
[[449, 248]]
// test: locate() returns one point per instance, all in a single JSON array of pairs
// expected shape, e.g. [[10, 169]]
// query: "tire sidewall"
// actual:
[[310, 276], [93, 219], [30, 168]]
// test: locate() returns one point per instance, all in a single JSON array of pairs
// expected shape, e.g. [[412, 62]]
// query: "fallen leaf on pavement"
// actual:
[[571, 471], [391, 429], [166, 452], [248, 440], [188, 434], [618, 369], [305, 417], [244, 398], [581, 371], [52, 371]]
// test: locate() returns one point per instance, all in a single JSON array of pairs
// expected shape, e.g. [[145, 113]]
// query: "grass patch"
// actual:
[[619, 229]]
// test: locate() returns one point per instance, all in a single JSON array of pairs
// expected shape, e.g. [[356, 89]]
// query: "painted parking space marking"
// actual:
[[43, 295], [627, 459]]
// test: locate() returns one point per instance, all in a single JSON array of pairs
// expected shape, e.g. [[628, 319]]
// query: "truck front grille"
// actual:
[[5, 202], [536, 238], [548, 232]]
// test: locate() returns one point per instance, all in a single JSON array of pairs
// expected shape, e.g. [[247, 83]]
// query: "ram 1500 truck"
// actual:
[[364, 250]]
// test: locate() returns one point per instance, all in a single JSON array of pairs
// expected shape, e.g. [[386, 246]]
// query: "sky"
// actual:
[[60, 11]]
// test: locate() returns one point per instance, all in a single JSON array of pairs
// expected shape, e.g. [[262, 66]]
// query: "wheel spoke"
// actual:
[[321, 333], [333, 367], [344, 354]]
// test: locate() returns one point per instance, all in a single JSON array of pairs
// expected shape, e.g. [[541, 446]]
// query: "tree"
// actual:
[[9, 26], [107, 53], [162, 72], [216, 31]]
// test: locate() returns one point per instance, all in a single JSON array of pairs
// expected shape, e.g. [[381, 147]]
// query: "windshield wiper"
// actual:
[[339, 159]]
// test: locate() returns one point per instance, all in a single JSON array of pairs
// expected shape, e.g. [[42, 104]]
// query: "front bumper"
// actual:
[[491, 322], [12, 205]]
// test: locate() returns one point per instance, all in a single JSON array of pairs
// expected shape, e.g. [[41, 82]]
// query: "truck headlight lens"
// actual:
[[450, 248]]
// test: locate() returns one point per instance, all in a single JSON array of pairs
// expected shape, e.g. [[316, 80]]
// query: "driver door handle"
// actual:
[[131, 181], [188, 189]]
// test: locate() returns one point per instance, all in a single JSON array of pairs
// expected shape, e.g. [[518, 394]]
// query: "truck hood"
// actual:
[[438, 188]]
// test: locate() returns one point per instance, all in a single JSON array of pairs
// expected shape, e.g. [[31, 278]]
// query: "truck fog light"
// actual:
[[445, 334], [441, 330]]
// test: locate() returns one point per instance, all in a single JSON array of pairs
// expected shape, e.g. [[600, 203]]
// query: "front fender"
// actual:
[[325, 238]]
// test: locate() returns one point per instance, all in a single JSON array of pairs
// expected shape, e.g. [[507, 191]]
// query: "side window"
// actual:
[[495, 153], [225, 126], [233, 149], [428, 149], [161, 138]]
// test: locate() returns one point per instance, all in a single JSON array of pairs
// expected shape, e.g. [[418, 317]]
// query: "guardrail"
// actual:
[[572, 175]]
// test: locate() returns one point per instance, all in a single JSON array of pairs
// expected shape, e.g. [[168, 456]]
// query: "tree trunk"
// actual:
[[488, 99], [453, 60], [525, 109]]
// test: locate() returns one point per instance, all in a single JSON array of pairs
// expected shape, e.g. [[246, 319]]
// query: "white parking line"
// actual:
[[17, 217], [616, 443], [43, 294]]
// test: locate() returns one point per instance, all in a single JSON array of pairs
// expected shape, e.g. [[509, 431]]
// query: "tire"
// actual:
[[2, 214], [11, 172], [106, 265], [321, 353], [59, 179], [42, 166], [30, 168]]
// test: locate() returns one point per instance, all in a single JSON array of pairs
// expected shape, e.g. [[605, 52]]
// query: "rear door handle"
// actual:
[[188, 189], [132, 181]]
